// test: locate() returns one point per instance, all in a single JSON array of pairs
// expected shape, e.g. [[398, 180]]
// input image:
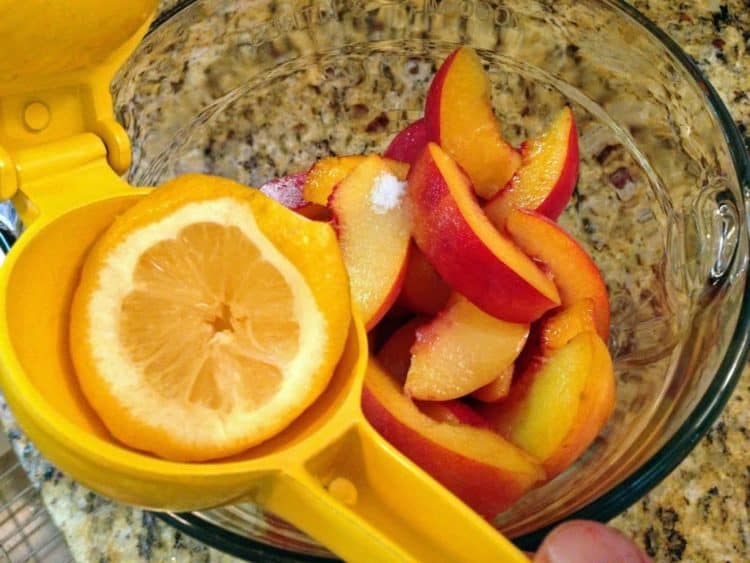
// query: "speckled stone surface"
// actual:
[[699, 513]]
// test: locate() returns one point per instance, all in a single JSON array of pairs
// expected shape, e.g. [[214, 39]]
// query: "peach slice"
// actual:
[[559, 404], [546, 179], [325, 174], [496, 389], [597, 404], [459, 117], [374, 229], [573, 270], [424, 290], [288, 191], [467, 251], [452, 412], [408, 143], [477, 465], [395, 357], [461, 350], [556, 330], [395, 354]]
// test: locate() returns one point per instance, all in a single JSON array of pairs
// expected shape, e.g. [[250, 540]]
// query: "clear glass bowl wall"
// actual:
[[256, 89]]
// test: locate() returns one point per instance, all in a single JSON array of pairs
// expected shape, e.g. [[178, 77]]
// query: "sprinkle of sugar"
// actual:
[[387, 192], [287, 190]]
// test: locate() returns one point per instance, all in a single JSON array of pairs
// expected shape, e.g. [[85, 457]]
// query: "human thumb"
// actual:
[[582, 541]]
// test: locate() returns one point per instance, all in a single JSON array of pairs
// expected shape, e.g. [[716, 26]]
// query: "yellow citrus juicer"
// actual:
[[61, 156]]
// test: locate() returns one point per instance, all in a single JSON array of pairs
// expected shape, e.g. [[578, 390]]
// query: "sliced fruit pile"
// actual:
[[489, 320], [208, 316]]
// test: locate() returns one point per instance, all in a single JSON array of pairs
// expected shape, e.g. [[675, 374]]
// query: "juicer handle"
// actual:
[[366, 502]]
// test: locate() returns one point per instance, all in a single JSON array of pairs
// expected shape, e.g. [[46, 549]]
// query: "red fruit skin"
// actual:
[[408, 143], [388, 303], [472, 270], [287, 190], [562, 191], [547, 195], [488, 490], [424, 291], [460, 118], [576, 274], [434, 95]]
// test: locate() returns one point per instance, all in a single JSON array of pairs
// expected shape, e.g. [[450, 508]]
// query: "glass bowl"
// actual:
[[256, 89]]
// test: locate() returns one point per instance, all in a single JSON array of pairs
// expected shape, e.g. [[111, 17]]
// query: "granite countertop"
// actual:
[[699, 513]]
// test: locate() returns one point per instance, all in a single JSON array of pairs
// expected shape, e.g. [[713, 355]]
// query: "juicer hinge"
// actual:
[[52, 130]]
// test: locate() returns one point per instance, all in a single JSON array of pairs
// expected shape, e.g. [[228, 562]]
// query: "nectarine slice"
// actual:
[[408, 143], [556, 330], [559, 404], [467, 251], [575, 273], [395, 357], [395, 354], [424, 291], [461, 350], [452, 412], [325, 174], [460, 118], [496, 389], [546, 179], [374, 229], [477, 465], [597, 404], [288, 191]]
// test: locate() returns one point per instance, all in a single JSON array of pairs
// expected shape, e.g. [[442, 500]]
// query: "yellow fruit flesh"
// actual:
[[461, 350], [374, 242], [191, 322], [540, 421], [469, 131]]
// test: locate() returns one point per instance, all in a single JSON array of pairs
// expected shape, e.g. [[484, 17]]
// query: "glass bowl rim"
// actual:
[[670, 455]]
